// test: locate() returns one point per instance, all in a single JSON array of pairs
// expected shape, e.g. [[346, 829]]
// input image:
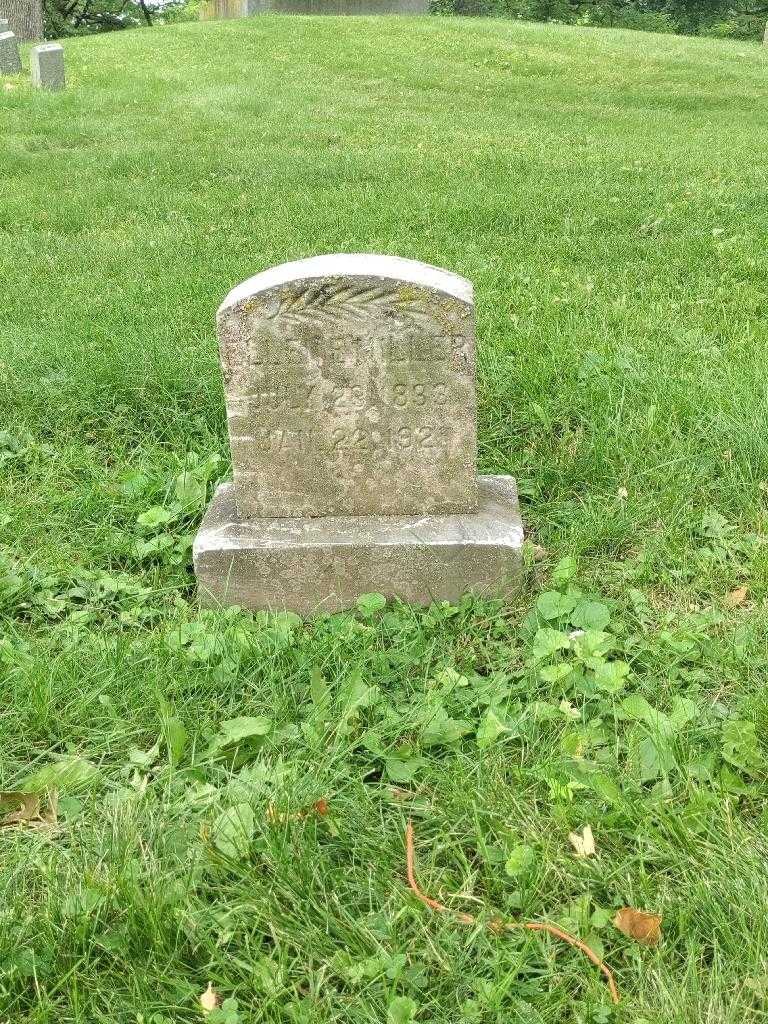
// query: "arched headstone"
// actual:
[[350, 389]]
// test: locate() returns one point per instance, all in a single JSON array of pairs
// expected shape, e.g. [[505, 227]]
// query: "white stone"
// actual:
[[324, 564], [47, 66]]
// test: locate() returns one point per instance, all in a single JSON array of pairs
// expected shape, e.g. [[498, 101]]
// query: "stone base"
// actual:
[[325, 564]]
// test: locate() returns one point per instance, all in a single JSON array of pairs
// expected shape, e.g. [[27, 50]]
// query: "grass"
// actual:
[[603, 190]]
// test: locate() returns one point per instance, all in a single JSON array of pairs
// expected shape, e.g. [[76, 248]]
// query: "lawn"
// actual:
[[233, 791]]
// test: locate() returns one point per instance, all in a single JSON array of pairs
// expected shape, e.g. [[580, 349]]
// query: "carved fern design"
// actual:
[[335, 301]]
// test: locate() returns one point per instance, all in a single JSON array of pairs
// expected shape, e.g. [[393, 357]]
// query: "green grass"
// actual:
[[605, 193]]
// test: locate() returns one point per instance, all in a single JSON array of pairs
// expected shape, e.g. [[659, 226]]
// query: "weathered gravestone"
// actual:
[[350, 386], [10, 62], [350, 391], [47, 64], [4, 25]]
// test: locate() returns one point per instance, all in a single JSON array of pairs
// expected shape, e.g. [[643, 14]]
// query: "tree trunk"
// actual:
[[25, 17]]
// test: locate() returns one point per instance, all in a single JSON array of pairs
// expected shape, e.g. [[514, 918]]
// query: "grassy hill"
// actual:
[[605, 192]]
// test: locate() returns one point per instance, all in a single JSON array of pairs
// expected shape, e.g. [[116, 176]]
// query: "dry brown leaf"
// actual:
[[638, 925], [26, 807], [209, 1000], [12, 796], [397, 793], [736, 597], [584, 844]]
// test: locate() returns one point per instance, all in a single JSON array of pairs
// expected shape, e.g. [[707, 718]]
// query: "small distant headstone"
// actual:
[[5, 25], [765, 35], [10, 62], [47, 64], [350, 392]]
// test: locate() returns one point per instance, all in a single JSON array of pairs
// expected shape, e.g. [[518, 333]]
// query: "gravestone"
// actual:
[[47, 64], [765, 35], [4, 25], [350, 393], [10, 62], [350, 386]]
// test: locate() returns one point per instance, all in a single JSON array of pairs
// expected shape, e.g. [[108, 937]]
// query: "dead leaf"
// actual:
[[28, 809], [539, 553], [15, 796], [622, 494], [209, 1000], [638, 925], [736, 597], [584, 844], [399, 794]]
